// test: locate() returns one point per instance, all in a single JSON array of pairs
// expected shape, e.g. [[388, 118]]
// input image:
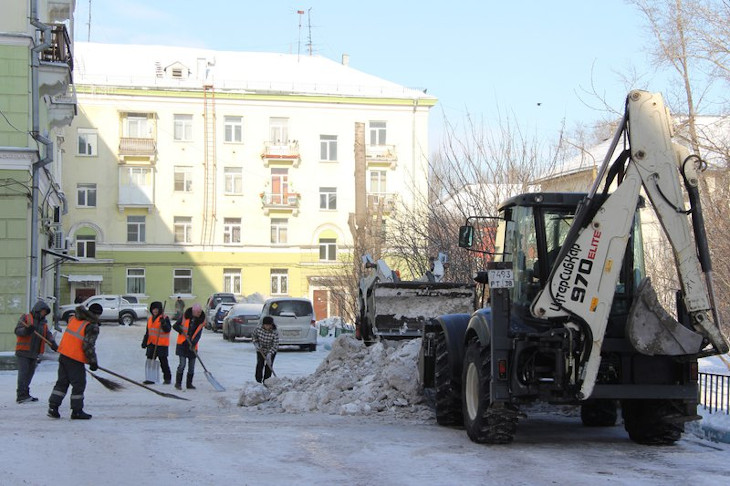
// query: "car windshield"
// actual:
[[296, 307]]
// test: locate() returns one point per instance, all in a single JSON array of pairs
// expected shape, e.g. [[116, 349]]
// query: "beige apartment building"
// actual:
[[194, 171]]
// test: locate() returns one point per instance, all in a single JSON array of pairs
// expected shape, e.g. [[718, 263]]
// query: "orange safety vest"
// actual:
[[181, 336], [155, 334], [72, 340], [23, 342]]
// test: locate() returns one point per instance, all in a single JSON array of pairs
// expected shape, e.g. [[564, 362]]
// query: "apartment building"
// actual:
[[196, 171], [36, 103]]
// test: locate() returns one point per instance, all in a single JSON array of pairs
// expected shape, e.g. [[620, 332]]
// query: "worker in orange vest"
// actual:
[[78, 347], [157, 339], [29, 345], [190, 325]]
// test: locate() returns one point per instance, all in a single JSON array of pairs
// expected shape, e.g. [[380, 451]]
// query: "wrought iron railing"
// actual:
[[715, 392]]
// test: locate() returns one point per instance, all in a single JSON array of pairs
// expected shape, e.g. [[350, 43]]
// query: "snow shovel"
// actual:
[[152, 368], [162, 394], [214, 383], [268, 363]]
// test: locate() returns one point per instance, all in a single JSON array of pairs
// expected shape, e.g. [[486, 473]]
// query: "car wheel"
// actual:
[[313, 347], [126, 319], [232, 338]]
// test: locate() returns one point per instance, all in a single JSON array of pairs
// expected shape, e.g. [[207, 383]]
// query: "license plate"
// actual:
[[501, 279], [289, 332]]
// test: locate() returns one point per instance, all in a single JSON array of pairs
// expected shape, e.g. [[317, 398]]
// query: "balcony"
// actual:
[[382, 202], [62, 109], [56, 63], [281, 154], [280, 202], [137, 147], [135, 196], [381, 155]]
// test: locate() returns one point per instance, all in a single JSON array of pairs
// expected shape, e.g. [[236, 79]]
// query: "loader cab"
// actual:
[[531, 232]]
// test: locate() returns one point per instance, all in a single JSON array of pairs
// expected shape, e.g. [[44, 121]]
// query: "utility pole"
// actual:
[[299, 40], [88, 25]]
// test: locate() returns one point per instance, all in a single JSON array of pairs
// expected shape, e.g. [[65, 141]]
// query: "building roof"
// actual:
[[169, 67]]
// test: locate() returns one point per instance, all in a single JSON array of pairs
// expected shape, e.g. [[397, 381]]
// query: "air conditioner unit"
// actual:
[[59, 241]]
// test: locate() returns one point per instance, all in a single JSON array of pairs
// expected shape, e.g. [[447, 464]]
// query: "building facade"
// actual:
[[196, 171], [36, 103]]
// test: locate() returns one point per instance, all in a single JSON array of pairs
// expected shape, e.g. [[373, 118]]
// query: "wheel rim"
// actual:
[[471, 389]]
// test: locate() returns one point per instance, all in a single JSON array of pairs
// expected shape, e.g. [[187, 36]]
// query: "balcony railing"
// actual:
[[280, 201], [60, 48], [56, 63], [131, 195], [137, 146], [286, 152], [382, 201], [381, 155]]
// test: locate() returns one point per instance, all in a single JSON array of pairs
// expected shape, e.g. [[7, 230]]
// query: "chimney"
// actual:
[[345, 59]]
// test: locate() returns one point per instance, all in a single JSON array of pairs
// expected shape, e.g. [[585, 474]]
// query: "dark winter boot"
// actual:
[[190, 382], [80, 415], [178, 380], [167, 379], [53, 412]]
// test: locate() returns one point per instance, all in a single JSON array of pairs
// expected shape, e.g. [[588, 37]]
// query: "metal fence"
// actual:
[[715, 393]]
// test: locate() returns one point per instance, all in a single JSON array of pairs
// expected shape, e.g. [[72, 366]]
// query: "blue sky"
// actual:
[[524, 59]]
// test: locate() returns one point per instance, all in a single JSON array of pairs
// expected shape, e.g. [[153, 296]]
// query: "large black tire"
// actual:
[[126, 318], [485, 423], [448, 390], [599, 413], [653, 422]]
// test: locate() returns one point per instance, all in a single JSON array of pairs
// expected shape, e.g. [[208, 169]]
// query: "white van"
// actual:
[[294, 319]]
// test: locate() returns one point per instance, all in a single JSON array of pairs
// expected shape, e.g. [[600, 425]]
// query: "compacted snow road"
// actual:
[[138, 437]]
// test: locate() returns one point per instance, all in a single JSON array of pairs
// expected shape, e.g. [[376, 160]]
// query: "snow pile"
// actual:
[[353, 379]]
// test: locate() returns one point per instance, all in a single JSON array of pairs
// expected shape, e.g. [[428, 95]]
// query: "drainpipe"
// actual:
[[33, 292]]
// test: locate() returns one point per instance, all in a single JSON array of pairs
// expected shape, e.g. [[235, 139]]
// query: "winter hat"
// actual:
[[96, 309], [268, 320], [156, 305]]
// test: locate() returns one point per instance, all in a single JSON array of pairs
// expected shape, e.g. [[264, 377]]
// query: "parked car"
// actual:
[[213, 302], [241, 320], [294, 319], [216, 324], [115, 308]]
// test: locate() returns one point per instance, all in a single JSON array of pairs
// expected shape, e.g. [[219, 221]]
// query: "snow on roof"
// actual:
[[256, 72]]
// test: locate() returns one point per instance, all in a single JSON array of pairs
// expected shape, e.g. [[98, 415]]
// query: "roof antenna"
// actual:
[[309, 27], [299, 41], [88, 24]]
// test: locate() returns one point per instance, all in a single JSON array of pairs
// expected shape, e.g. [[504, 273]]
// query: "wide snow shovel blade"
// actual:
[[152, 370], [213, 382], [162, 394], [267, 362]]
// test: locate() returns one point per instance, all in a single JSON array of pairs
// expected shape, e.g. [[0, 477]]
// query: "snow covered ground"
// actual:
[[352, 416]]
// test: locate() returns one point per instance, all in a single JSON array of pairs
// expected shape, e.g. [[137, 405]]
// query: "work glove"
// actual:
[[93, 366], [144, 344], [54, 346]]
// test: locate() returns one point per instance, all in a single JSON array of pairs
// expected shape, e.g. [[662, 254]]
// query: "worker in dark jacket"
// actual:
[[266, 341], [29, 344], [157, 340], [78, 347], [190, 325]]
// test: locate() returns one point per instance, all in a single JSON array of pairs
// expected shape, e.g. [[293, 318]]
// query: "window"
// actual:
[[278, 230], [279, 130], [86, 195], [183, 229], [231, 230], [183, 179], [279, 186], [377, 133], [233, 180], [182, 281], [328, 249], [135, 281], [328, 147], [135, 126], [279, 281], [377, 182], [232, 280], [183, 129], [328, 198], [139, 176], [86, 246], [135, 229], [233, 126], [88, 144]]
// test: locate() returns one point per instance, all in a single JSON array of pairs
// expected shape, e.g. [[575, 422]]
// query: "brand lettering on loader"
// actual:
[[566, 272]]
